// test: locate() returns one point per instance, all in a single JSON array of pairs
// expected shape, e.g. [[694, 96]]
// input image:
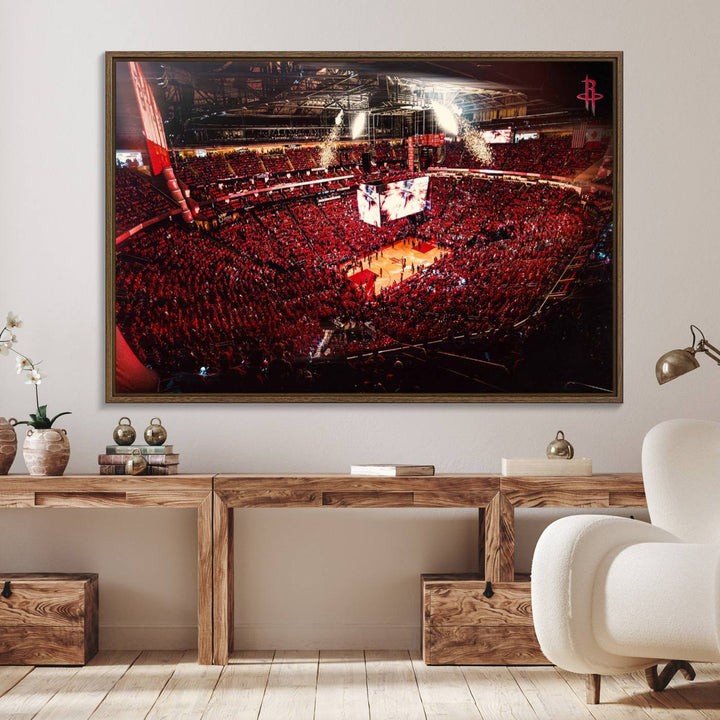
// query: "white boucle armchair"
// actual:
[[614, 595]]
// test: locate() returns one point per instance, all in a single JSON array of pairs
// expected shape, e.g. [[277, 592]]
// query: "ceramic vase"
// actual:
[[47, 451], [8, 445]]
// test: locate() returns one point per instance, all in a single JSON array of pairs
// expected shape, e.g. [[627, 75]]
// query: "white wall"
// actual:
[[330, 578]]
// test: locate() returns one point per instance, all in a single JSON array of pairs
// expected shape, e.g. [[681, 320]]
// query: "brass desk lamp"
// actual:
[[677, 362]]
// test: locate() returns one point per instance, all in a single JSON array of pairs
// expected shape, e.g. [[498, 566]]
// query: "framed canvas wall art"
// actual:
[[364, 227]]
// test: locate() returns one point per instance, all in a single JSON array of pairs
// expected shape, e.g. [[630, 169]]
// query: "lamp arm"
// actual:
[[710, 350]]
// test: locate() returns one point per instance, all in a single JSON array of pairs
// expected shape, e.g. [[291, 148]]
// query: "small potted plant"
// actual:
[[46, 449]]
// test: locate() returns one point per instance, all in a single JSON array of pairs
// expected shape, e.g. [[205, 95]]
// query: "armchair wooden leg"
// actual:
[[659, 682], [592, 689]]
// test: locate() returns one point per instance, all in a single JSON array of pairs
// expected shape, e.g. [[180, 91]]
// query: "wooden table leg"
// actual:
[[499, 540], [205, 581], [223, 581], [481, 541]]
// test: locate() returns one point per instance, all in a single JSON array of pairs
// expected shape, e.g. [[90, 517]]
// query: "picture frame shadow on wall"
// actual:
[[364, 227]]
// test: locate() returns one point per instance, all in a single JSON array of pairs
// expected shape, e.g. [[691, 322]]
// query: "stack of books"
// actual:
[[160, 459], [547, 467], [392, 470]]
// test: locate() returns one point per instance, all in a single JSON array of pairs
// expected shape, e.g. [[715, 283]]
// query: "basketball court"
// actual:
[[393, 264]]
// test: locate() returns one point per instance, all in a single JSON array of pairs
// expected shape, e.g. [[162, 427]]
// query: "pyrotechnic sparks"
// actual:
[[475, 143], [328, 154]]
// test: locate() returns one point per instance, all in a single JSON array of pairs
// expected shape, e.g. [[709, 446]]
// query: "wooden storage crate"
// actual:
[[461, 626], [48, 618]]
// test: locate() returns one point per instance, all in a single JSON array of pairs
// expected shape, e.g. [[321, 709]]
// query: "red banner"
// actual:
[[151, 120], [430, 140]]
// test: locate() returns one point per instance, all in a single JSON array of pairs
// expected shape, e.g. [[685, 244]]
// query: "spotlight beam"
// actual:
[[358, 125], [446, 118]]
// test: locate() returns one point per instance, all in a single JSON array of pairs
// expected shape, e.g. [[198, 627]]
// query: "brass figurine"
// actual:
[[560, 448], [155, 433], [124, 433], [136, 463]]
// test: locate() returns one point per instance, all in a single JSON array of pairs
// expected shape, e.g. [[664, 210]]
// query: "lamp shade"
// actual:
[[675, 363]]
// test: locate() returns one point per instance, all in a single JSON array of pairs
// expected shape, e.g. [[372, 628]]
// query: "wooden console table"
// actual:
[[126, 491], [495, 497], [215, 497]]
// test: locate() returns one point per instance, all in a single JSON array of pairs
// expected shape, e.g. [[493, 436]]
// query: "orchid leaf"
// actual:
[[67, 412]]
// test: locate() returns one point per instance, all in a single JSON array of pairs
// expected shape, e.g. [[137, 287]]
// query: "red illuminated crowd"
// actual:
[[186, 300], [266, 287], [509, 244], [546, 156], [136, 200], [553, 156]]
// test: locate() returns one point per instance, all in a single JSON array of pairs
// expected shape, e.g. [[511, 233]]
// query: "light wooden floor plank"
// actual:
[[342, 686], [78, 699], [392, 688], [497, 694], [348, 685], [711, 669], [241, 688], [666, 705], [444, 691], [187, 692], [290, 691], [251, 657], [138, 689], [548, 694], [703, 693], [34, 691], [11, 675]]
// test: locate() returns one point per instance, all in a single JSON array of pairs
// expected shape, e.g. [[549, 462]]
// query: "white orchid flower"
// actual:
[[13, 320], [35, 377], [23, 364], [28, 370]]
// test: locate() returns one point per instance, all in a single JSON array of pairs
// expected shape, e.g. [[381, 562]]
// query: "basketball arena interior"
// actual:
[[357, 227]]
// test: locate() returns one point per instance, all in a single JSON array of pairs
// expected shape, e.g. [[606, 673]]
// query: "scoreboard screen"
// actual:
[[503, 135], [404, 198], [378, 204], [368, 200]]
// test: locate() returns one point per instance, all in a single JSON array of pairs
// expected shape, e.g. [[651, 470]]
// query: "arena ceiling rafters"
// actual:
[[293, 88], [252, 99]]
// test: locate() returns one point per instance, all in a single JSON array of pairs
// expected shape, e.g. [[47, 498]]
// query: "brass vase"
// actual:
[[8, 444], [46, 451]]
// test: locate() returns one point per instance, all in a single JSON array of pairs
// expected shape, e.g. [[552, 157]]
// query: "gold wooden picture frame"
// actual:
[[364, 227]]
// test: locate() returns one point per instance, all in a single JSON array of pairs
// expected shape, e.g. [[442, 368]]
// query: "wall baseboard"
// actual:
[[327, 637], [269, 636], [148, 637]]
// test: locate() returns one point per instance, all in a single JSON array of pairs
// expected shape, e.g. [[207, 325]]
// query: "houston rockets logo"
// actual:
[[590, 96]]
